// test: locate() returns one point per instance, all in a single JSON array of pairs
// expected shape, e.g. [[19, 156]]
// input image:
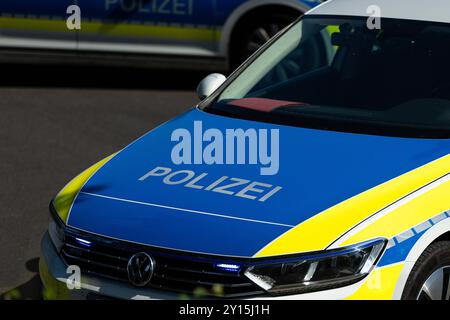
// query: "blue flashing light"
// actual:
[[228, 267], [83, 242]]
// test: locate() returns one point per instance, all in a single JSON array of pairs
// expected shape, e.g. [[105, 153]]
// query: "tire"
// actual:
[[430, 276], [255, 30]]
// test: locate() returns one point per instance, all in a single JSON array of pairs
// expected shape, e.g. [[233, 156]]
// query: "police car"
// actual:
[[276, 187], [192, 33]]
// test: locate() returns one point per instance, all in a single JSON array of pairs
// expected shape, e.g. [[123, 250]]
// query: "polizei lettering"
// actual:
[[233, 147], [231, 186], [163, 7]]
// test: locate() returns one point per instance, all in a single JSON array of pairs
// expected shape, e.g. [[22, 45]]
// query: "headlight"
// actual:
[[325, 270], [56, 229]]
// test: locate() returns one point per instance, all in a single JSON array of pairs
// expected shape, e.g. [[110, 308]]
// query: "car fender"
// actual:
[[419, 247]]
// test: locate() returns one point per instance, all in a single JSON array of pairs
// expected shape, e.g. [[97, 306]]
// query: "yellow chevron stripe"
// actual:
[[65, 198], [416, 211], [112, 29], [126, 30], [33, 24], [380, 284], [321, 230]]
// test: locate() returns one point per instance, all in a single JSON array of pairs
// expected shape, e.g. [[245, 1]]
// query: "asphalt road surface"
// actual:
[[55, 122]]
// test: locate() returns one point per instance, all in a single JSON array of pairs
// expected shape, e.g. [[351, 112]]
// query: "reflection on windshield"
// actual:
[[337, 70]]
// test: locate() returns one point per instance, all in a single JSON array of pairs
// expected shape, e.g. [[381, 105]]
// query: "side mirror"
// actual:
[[208, 85]]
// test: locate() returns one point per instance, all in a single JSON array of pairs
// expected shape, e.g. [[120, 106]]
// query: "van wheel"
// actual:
[[255, 31], [430, 277]]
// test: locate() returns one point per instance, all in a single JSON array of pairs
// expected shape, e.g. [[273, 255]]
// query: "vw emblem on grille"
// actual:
[[140, 269]]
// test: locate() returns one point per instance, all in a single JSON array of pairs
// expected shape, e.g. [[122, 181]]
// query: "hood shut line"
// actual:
[[187, 210]]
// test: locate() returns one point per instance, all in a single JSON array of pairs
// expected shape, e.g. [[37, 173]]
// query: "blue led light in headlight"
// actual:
[[228, 267], [83, 242]]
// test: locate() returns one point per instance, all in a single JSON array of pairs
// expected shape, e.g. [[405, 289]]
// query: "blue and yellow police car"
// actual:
[[320, 169], [188, 33]]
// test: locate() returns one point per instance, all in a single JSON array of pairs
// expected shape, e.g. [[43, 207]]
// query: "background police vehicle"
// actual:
[[193, 33]]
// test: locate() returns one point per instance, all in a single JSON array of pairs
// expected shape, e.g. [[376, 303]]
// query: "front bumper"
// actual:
[[54, 276]]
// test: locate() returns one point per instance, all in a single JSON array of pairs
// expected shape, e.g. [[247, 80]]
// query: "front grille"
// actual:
[[174, 271]]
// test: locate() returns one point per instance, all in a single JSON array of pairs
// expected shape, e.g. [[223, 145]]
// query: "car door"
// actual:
[[177, 27], [36, 24]]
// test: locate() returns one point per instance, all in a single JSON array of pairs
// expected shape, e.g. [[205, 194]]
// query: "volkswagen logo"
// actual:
[[140, 269]]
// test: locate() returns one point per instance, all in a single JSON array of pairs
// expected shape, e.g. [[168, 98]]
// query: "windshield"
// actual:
[[335, 73]]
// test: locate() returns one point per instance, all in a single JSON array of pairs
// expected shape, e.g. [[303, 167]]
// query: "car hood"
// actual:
[[317, 170]]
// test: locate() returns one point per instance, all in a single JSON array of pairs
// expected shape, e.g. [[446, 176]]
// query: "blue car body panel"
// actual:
[[114, 203], [191, 12], [186, 13], [24, 8]]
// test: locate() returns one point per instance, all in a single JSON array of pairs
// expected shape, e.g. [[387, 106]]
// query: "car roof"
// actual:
[[435, 11]]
